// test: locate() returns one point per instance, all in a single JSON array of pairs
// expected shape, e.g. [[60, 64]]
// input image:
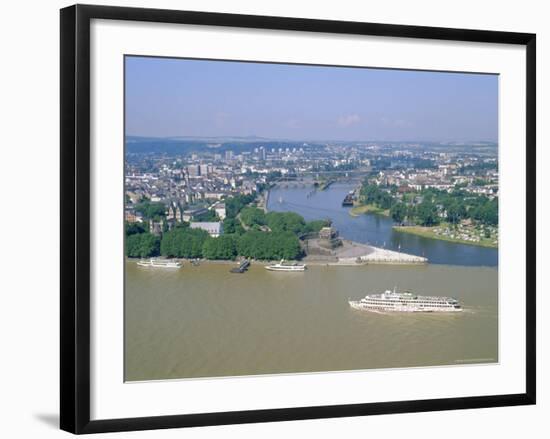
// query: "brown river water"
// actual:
[[205, 322]]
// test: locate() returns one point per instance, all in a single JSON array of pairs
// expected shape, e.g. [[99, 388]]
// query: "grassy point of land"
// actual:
[[428, 232], [368, 208]]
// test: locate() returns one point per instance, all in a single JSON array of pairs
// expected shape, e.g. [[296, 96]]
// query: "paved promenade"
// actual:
[[354, 253]]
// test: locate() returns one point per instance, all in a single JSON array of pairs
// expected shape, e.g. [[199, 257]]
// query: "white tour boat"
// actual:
[[286, 266], [406, 302], [160, 263]]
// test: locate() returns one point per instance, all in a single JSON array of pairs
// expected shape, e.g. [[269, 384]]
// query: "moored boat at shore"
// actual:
[[243, 266], [349, 199], [159, 263], [286, 266], [405, 302]]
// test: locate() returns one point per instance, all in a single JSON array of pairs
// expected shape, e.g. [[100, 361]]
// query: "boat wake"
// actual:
[[373, 311]]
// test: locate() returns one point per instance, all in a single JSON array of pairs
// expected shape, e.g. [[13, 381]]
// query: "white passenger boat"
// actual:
[[159, 263], [286, 266], [406, 302]]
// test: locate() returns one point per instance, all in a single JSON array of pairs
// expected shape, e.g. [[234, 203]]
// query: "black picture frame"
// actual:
[[75, 217]]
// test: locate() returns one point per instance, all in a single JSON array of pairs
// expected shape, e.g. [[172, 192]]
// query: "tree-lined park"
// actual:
[[248, 232]]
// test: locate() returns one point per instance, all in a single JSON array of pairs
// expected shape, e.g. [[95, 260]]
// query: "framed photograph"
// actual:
[[268, 218]]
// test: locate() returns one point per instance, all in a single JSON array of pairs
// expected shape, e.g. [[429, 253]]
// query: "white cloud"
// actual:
[[348, 120]]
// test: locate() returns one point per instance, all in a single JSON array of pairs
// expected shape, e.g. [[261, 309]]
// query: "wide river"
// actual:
[[374, 229], [205, 322], [202, 321]]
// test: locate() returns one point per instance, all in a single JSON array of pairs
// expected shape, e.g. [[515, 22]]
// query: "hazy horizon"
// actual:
[[170, 98], [297, 139]]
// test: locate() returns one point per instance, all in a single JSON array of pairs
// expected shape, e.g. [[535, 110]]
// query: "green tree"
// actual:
[[142, 245], [485, 211], [251, 216], [427, 213], [285, 222], [373, 194], [269, 245], [134, 228], [285, 246], [152, 210], [231, 225], [398, 212], [233, 205], [183, 242], [489, 212], [315, 226], [223, 247], [208, 216], [480, 182], [455, 212]]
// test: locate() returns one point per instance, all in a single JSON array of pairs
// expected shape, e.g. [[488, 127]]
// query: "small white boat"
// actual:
[[159, 263], [286, 266]]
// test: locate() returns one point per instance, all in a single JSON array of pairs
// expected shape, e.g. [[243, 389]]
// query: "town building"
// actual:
[[220, 210], [188, 214], [214, 229], [194, 171], [204, 170]]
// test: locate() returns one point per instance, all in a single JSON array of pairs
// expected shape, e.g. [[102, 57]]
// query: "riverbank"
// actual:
[[354, 253], [324, 185], [361, 209], [350, 253], [430, 232], [264, 199]]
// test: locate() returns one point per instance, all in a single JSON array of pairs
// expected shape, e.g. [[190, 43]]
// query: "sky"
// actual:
[[168, 97]]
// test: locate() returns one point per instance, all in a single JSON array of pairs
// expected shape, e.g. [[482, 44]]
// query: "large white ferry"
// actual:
[[406, 302], [286, 266], [159, 263]]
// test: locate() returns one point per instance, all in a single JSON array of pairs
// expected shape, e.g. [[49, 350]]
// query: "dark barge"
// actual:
[[243, 266], [348, 201]]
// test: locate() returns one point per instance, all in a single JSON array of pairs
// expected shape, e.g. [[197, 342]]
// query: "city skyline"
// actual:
[[170, 98]]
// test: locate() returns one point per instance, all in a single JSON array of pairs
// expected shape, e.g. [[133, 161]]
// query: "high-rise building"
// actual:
[[194, 170], [228, 155]]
